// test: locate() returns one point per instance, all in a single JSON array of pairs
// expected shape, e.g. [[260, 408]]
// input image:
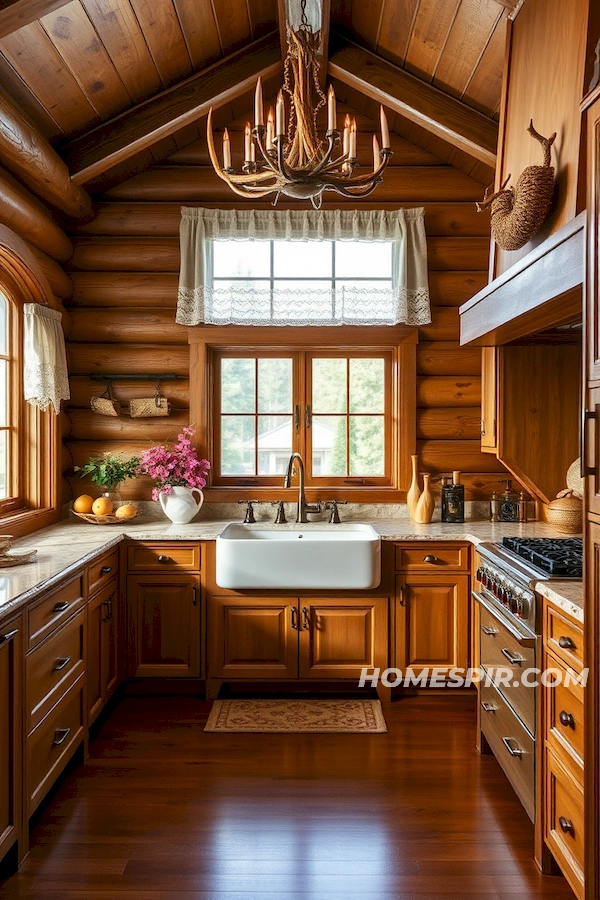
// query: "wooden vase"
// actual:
[[414, 492], [424, 508]]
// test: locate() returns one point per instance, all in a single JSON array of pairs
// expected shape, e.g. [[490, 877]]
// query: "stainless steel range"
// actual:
[[509, 644]]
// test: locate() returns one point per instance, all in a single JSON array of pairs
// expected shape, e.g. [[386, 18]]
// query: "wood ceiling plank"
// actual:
[[76, 40], [473, 26], [263, 16], [170, 111], [485, 86], [432, 26], [445, 116], [233, 24], [16, 13], [163, 34], [365, 20], [18, 93], [200, 31], [396, 28], [36, 60], [119, 31]]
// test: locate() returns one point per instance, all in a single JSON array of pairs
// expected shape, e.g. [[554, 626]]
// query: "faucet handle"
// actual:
[[249, 517], [334, 518], [280, 518]]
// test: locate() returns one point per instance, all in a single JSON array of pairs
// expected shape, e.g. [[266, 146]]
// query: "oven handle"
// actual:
[[525, 640]]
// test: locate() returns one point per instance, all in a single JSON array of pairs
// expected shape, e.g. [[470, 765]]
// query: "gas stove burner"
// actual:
[[558, 557]]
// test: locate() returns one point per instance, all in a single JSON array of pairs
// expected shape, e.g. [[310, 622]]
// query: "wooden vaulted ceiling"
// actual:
[[86, 61]]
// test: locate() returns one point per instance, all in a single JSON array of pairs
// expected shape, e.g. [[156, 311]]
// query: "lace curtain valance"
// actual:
[[404, 300]]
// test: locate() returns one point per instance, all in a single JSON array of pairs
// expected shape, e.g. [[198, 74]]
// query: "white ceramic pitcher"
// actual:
[[182, 505]]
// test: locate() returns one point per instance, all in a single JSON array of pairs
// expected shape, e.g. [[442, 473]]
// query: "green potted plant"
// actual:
[[109, 471]]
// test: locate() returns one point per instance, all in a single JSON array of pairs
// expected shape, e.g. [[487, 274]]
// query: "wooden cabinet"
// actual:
[[489, 399], [164, 625], [305, 637], [432, 622], [103, 658], [593, 233], [11, 725]]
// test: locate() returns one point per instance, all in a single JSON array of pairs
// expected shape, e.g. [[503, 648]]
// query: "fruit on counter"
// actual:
[[83, 504], [103, 506], [127, 511]]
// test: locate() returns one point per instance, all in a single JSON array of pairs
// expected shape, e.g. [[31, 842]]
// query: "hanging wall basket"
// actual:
[[518, 213]]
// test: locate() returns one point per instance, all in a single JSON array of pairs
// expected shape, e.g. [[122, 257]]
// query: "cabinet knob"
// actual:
[[566, 643], [61, 663], [8, 636], [60, 736], [567, 720], [106, 570], [430, 559], [163, 559], [60, 607], [566, 825]]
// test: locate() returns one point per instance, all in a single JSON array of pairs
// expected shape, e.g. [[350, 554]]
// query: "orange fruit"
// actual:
[[83, 504], [103, 506], [127, 511]]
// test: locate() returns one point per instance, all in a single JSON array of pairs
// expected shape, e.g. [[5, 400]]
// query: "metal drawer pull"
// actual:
[[488, 707], [305, 619], [163, 559], [487, 629], [194, 595], [566, 643], [512, 746], [514, 658], [430, 559], [8, 636], [60, 607], [294, 618], [106, 570], [60, 736], [567, 719], [62, 663], [566, 825]]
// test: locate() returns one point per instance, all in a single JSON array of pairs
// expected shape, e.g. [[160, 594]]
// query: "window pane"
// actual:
[[329, 445], [236, 259], [366, 445], [237, 445], [238, 388], [302, 259], [367, 386], [274, 385], [3, 465], [3, 323], [363, 259], [329, 385], [3, 392], [274, 444]]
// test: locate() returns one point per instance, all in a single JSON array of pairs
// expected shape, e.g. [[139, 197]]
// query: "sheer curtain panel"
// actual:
[[401, 299], [45, 376]]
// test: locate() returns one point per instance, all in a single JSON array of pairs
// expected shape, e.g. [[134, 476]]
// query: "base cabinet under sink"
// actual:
[[296, 637]]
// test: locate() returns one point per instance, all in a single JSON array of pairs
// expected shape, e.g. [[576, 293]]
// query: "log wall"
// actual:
[[124, 270]]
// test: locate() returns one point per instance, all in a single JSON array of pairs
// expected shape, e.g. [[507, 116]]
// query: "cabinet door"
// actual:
[[432, 622], [489, 399], [110, 644], [252, 637], [593, 267], [591, 450], [11, 690], [341, 636], [164, 625], [96, 611]]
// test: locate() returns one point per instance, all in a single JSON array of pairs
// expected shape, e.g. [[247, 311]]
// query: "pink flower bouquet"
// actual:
[[175, 466]]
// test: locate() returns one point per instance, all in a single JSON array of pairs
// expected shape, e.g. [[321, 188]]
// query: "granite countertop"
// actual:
[[65, 547], [566, 595]]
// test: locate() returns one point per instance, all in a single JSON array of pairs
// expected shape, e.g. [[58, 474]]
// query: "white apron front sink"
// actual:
[[299, 557]]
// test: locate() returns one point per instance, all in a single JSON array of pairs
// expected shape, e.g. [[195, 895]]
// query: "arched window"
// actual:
[[11, 415]]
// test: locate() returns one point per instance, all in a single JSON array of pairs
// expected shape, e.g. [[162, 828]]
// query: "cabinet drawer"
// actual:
[[53, 610], [163, 557], [564, 717], [53, 667], [432, 557], [564, 638], [101, 572], [511, 743], [497, 648], [564, 821], [52, 743]]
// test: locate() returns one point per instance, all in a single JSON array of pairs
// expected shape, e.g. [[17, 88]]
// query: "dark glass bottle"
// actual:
[[453, 499], [508, 503]]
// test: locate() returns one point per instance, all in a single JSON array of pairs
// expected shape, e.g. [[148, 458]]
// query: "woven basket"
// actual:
[[149, 407], [101, 520], [104, 406], [566, 514]]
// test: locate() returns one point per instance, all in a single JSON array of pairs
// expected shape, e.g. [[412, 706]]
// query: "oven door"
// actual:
[[519, 632]]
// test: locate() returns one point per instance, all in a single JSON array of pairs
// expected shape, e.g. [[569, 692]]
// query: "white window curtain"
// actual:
[[405, 301], [45, 376]]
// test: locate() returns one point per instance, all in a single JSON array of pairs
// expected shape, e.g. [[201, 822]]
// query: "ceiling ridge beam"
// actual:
[[437, 112], [139, 128]]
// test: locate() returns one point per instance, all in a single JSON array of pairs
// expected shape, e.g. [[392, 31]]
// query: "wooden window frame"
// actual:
[[207, 342]]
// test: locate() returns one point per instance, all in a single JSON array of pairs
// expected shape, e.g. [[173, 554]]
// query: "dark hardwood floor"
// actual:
[[162, 811]]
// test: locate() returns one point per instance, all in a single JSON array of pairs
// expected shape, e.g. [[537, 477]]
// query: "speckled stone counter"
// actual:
[[566, 595], [65, 547]]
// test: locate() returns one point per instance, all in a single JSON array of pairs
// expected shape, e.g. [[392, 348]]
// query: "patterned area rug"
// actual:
[[297, 717]]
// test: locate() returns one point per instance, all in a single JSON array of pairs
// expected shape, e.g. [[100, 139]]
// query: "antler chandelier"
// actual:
[[297, 162]]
